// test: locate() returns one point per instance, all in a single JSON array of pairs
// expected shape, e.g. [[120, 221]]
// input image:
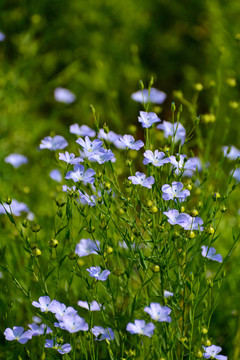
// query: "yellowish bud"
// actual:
[[208, 342], [216, 196], [80, 262], [233, 104], [231, 81], [194, 212], [121, 211], [36, 252], [198, 87], [204, 331], [153, 209], [182, 209], [156, 268], [189, 187], [149, 203], [109, 250], [192, 235], [53, 243], [210, 230], [199, 354]]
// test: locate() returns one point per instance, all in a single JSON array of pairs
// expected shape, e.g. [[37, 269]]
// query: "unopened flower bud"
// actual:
[[182, 209], [121, 211], [132, 129], [8, 200], [231, 82], [127, 183], [173, 106], [109, 250], [178, 94], [208, 342], [149, 203], [36, 252], [129, 163], [35, 227], [105, 128], [98, 174], [192, 235], [233, 104], [198, 87], [153, 209], [53, 243], [25, 223], [199, 354], [194, 212], [210, 284], [216, 196], [210, 230], [189, 187], [223, 208], [156, 268], [204, 330], [107, 186], [60, 203]]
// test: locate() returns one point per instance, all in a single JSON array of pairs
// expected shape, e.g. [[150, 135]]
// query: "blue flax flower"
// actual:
[[70, 158], [231, 152], [16, 160], [148, 119], [210, 253], [167, 294], [72, 323], [140, 179], [106, 334], [93, 306], [129, 142], [43, 303], [173, 216], [39, 329], [84, 199], [140, 327], [101, 156], [158, 312], [174, 191], [183, 164], [79, 175], [95, 271], [60, 309], [89, 147], [155, 96], [16, 208], [53, 143], [156, 158], [2, 36], [61, 348], [212, 352], [87, 247], [176, 131], [83, 130], [56, 175], [64, 95], [236, 174], [18, 333], [184, 220], [111, 137], [190, 223]]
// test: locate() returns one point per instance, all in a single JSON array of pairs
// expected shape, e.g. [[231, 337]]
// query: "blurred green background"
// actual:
[[100, 50]]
